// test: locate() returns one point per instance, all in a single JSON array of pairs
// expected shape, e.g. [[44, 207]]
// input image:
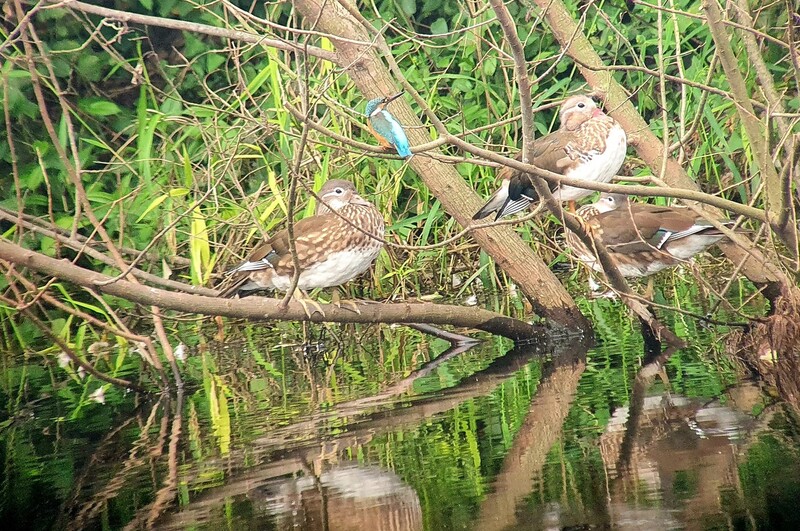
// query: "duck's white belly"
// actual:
[[692, 245], [626, 270], [601, 168], [340, 267]]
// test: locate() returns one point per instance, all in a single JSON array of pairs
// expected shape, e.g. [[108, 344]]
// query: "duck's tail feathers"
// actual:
[[512, 207], [239, 276], [495, 203], [243, 288], [254, 265]]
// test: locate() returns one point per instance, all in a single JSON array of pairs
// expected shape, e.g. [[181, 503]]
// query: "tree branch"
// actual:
[[371, 76], [262, 308], [755, 128], [569, 221], [194, 27], [758, 267], [89, 368]]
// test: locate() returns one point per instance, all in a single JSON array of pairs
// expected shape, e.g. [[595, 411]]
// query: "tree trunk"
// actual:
[[371, 76], [757, 267]]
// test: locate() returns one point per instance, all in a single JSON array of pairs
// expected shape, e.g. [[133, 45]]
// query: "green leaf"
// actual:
[[175, 192], [165, 7], [461, 85], [19, 74], [439, 27], [99, 107], [96, 143], [409, 7], [172, 107], [215, 61], [199, 248], [89, 67], [489, 65]]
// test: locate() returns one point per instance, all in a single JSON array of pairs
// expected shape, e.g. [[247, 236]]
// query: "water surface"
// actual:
[[384, 428]]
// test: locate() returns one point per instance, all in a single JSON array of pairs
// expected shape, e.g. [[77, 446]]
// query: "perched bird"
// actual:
[[333, 246], [588, 145], [385, 127], [642, 239]]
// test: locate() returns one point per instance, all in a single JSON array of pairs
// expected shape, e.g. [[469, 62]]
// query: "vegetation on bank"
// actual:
[[185, 143], [184, 136]]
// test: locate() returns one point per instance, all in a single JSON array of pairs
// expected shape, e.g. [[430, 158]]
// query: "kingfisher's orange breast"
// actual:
[[381, 140]]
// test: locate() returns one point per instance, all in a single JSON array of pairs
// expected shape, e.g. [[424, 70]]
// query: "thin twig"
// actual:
[[191, 27]]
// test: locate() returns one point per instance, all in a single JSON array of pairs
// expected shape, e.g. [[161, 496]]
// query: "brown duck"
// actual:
[[333, 246], [588, 145], [641, 238]]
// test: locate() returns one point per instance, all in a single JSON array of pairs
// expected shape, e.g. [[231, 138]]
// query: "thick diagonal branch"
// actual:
[[371, 76], [757, 266], [776, 201], [571, 222]]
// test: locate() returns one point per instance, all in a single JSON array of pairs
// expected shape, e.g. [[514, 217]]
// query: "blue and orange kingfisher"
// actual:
[[385, 127]]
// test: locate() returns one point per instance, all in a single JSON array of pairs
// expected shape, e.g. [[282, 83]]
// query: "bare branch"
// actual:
[[193, 27], [571, 222], [264, 309], [758, 267], [756, 129]]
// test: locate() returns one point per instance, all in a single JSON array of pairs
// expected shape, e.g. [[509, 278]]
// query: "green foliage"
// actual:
[[174, 149], [186, 147]]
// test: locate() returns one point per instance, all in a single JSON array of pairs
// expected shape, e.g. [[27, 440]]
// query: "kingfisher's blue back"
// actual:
[[386, 128]]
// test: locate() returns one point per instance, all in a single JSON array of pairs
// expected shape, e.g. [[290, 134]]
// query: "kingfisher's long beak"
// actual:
[[390, 99]]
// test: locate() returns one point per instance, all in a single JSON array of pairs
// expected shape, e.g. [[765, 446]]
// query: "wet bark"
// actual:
[[369, 73]]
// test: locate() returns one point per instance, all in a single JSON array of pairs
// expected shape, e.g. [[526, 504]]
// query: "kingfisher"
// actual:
[[588, 145], [385, 127]]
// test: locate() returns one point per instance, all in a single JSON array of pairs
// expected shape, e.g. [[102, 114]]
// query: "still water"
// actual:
[[383, 428]]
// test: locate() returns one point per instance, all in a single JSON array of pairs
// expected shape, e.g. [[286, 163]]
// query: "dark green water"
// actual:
[[383, 428]]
